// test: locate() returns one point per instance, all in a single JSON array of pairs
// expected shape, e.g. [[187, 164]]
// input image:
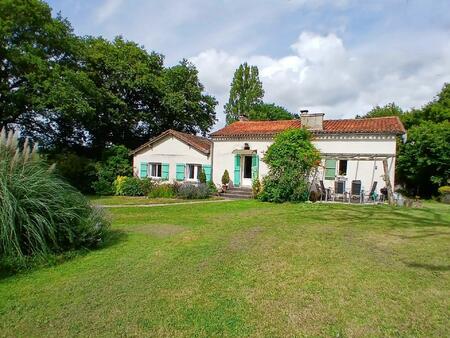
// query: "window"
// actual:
[[155, 170], [193, 171], [342, 167], [330, 169]]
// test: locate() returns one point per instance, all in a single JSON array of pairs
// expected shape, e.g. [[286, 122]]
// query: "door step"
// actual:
[[238, 193]]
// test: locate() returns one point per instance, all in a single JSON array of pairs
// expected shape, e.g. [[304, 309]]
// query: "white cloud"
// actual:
[[323, 75], [107, 9]]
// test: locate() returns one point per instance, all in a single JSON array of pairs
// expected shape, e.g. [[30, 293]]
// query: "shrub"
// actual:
[[146, 185], [39, 212], [256, 188], [118, 185], [202, 177], [162, 191], [225, 177], [78, 170], [212, 187], [132, 186], [444, 194], [116, 162], [290, 158], [191, 191]]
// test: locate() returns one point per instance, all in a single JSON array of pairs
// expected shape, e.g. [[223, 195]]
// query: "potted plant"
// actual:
[[225, 180]]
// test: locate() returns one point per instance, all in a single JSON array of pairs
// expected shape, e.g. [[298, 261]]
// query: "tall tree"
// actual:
[[390, 109], [185, 105], [246, 92], [424, 160], [269, 111], [33, 46]]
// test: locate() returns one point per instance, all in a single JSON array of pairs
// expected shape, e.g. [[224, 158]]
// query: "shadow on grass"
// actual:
[[429, 267], [11, 267]]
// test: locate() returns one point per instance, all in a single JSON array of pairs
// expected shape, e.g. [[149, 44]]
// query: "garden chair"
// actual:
[[339, 190], [355, 192], [372, 196]]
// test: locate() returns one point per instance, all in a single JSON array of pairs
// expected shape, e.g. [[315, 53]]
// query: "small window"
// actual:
[[193, 171], [155, 170], [342, 167]]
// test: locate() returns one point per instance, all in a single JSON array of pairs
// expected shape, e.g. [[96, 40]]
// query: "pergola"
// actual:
[[367, 157]]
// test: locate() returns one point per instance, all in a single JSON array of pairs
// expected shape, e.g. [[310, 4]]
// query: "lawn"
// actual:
[[246, 268], [139, 200]]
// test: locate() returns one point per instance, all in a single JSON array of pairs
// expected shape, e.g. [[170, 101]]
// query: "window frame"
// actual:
[[196, 172], [151, 165]]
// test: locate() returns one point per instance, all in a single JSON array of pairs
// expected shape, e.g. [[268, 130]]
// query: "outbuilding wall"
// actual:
[[172, 151]]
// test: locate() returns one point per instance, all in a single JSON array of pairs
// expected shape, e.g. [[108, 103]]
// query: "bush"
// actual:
[[444, 194], [191, 191], [116, 162], [212, 188], [290, 158], [163, 191], [202, 177], [39, 212], [146, 185], [132, 186], [79, 171], [256, 188], [225, 177]]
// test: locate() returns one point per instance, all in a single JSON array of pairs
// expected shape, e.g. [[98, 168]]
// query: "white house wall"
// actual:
[[223, 157], [172, 151], [366, 171]]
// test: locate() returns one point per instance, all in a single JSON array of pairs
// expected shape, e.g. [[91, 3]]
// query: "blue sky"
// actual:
[[341, 57]]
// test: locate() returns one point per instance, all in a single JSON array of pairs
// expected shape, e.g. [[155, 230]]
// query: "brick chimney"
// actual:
[[313, 121]]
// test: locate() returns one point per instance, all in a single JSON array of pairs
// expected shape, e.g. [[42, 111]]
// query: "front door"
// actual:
[[247, 171]]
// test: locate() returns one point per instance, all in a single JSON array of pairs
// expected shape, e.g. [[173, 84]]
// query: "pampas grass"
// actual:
[[39, 212]]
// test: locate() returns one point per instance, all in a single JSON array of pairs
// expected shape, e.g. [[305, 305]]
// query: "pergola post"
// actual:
[[388, 183]]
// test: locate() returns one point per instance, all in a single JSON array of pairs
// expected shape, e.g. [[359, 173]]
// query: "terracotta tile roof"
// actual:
[[199, 143], [380, 125]]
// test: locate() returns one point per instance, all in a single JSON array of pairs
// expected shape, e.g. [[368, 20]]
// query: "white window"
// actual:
[[155, 170], [193, 171]]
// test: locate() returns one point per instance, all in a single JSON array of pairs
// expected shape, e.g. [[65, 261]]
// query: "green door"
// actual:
[[237, 170]]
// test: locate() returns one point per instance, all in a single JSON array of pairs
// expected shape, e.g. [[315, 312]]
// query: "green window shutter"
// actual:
[[255, 166], [207, 169], [181, 168], [330, 169], [143, 170], [165, 172], [237, 170]]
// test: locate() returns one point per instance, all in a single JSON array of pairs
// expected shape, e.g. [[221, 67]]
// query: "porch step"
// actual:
[[238, 193]]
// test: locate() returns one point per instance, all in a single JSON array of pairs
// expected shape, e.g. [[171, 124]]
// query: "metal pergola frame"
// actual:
[[367, 157]]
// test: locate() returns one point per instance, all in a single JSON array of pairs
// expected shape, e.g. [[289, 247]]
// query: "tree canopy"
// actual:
[[246, 92], [423, 161], [84, 94], [269, 111]]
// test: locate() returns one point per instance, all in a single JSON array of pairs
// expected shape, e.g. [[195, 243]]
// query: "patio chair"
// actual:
[[355, 192], [339, 190], [372, 196]]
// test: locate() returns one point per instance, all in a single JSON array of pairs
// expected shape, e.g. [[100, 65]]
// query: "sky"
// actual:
[[339, 57]]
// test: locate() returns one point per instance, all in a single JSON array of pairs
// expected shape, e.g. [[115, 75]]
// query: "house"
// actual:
[[351, 149], [173, 156]]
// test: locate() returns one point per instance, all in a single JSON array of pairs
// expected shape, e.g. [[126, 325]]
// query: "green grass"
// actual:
[[138, 200], [246, 268]]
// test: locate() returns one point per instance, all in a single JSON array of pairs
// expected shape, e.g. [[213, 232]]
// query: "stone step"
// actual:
[[238, 193], [234, 195]]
